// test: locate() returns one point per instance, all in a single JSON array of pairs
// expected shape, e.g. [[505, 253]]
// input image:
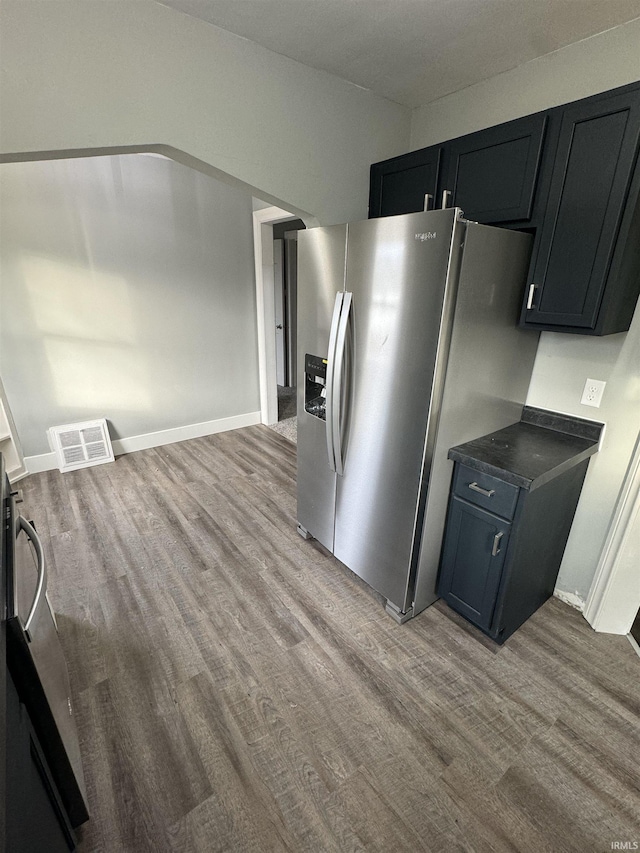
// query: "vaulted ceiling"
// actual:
[[412, 51]]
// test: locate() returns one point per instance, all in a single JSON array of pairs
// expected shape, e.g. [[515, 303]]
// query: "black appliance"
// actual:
[[45, 790]]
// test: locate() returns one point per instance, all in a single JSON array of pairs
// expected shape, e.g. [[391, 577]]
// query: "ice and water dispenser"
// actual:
[[315, 386]]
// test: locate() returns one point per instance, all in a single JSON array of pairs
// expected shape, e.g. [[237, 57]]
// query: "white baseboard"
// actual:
[[41, 462], [47, 461], [571, 598]]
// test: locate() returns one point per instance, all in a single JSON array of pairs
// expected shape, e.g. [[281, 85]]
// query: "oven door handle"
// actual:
[[41, 587]]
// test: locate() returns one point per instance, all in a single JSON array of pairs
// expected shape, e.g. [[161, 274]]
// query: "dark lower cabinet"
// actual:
[[36, 821], [474, 554], [503, 546]]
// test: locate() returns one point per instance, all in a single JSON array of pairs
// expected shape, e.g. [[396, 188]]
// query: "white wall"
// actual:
[[590, 66], [563, 364], [565, 361], [86, 75], [127, 293]]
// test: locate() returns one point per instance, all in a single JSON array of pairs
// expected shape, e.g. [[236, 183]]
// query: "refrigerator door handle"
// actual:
[[331, 359], [338, 378]]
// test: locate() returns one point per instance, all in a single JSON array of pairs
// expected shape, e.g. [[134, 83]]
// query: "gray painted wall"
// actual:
[[127, 292], [564, 362], [78, 75]]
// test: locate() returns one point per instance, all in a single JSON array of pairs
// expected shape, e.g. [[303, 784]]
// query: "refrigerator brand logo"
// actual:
[[426, 235]]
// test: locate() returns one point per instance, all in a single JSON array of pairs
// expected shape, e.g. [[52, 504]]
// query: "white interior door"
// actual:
[[279, 311], [291, 301]]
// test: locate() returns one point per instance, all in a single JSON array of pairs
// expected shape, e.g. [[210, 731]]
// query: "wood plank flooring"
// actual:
[[237, 689]]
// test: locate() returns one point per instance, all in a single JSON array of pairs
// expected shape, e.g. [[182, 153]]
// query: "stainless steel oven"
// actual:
[[36, 661]]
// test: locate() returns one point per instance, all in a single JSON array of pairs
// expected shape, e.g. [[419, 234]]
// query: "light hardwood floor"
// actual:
[[236, 689]]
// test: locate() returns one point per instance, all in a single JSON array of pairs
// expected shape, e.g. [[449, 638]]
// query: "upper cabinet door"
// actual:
[[590, 222], [399, 185], [492, 174]]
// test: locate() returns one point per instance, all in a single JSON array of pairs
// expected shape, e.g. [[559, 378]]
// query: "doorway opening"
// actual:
[[635, 629], [285, 267], [277, 362]]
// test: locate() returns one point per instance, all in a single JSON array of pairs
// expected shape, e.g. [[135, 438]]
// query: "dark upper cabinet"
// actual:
[[585, 273], [491, 175], [399, 185], [571, 176]]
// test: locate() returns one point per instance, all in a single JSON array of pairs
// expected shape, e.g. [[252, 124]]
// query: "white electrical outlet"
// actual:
[[593, 391]]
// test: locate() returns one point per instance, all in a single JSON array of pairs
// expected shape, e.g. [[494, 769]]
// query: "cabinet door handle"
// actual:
[[446, 199], [488, 493], [428, 202], [532, 290], [496, 544]]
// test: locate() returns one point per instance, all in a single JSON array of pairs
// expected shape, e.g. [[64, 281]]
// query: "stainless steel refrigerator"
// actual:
[[407, 345]]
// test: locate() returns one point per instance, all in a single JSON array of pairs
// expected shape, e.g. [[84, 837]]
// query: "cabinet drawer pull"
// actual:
[[488, 493], [447, 195], [496, 544], [428, 202], [532, 290]]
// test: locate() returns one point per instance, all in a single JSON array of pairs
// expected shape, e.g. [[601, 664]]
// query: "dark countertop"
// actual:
[[532, 452]]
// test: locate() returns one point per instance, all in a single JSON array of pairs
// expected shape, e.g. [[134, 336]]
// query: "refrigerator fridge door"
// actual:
[[321, 267], [401, 272], [488, 371]]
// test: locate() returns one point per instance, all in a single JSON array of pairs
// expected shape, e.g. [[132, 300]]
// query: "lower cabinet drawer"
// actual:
[[485, 491], [472, 561]]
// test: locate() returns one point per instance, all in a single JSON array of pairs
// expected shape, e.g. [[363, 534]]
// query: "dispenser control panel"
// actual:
[[315, 385]]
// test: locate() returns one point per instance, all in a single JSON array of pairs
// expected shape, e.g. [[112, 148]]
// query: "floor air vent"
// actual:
[[81, 445]]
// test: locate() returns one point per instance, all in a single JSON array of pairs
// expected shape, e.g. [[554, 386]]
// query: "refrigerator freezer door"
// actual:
[[321, 268], [398, 269]]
